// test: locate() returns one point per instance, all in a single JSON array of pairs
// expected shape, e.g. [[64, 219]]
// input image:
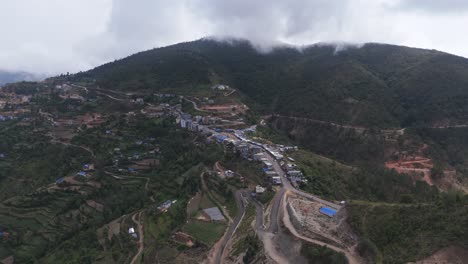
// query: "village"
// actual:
[[220, 122]]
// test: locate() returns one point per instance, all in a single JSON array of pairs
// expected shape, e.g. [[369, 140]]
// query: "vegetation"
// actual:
[[206, 232], [376, 85], [336, 181], [322, 255], [406, 233]]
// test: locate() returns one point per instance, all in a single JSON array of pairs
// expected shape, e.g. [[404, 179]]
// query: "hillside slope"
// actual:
[[375, 85]]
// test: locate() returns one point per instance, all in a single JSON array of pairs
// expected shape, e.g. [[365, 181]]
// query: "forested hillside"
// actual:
[[375, 85]]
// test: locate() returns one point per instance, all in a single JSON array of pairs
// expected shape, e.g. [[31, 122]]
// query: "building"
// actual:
[[229, 173], [259, 189], [139, 101], [271, 173], [327, 211], [243, 148], [214, 213], [88, 167], [258, 156], [295, 173], [267, 165], [220, 87], [131, 231], [276, 180], [254, 149]]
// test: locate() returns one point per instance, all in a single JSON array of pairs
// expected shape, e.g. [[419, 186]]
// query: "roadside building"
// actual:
[[259, 189], [258, 156], [214, 214], [267, 165], [276, 180]]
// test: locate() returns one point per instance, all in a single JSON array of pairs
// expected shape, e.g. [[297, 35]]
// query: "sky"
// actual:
[[57, 36]]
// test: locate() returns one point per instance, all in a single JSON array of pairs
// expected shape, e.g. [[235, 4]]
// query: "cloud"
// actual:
[[434, 7], [55, 36]]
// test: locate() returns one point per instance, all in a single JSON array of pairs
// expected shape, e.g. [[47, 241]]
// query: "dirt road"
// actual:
[[73, 145], [140, 235]]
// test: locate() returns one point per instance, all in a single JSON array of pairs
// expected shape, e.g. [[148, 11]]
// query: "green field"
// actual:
[[206, 232]]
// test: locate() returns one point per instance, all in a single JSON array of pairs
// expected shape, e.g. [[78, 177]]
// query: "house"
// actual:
[[59, 181], [295, 173], [259, 189], [88, 167], [82, 174], [214, 213], [258, 156], [220, 87], [131, 231], [243, 148], [139, 101], [229, 173], [183, 123], [220, 138], [254, 149], [165, 206], [277, 155], [276, 180], [271, 173], [290, 167], [267, 165]]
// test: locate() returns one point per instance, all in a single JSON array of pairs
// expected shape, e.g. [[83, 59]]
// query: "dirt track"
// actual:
[[140, 235], [415, 165]]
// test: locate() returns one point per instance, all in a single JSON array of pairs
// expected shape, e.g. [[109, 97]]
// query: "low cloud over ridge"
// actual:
[[59, 36]]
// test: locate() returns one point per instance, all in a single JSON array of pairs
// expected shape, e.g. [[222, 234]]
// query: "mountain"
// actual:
[[375, 85], [11, 77]]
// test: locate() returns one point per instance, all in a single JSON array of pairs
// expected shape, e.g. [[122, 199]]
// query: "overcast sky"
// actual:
[[55, 36]]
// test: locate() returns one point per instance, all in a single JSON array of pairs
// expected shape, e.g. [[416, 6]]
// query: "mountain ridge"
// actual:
[[379, 85]]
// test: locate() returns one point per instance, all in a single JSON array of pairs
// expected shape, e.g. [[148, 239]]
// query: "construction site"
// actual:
[[320, 222]]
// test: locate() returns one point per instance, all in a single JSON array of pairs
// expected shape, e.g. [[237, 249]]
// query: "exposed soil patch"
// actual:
[[449, 255], [417, 166]]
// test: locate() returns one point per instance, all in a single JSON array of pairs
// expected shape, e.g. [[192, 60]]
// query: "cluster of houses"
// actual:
[[197, 123], [14, 99], [5, 118], [294, 174]]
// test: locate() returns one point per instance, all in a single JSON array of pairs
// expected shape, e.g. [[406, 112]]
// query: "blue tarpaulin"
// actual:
[[328, 211]]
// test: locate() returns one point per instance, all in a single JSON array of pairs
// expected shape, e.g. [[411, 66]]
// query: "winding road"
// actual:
[[140, 236], [220, 250]]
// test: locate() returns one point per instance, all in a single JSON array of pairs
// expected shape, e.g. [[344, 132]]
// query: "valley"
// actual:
[[200, 171]]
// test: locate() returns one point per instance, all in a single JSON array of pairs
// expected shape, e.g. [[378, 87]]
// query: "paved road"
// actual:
[[241, 205], [275, 211], [287, 185]]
